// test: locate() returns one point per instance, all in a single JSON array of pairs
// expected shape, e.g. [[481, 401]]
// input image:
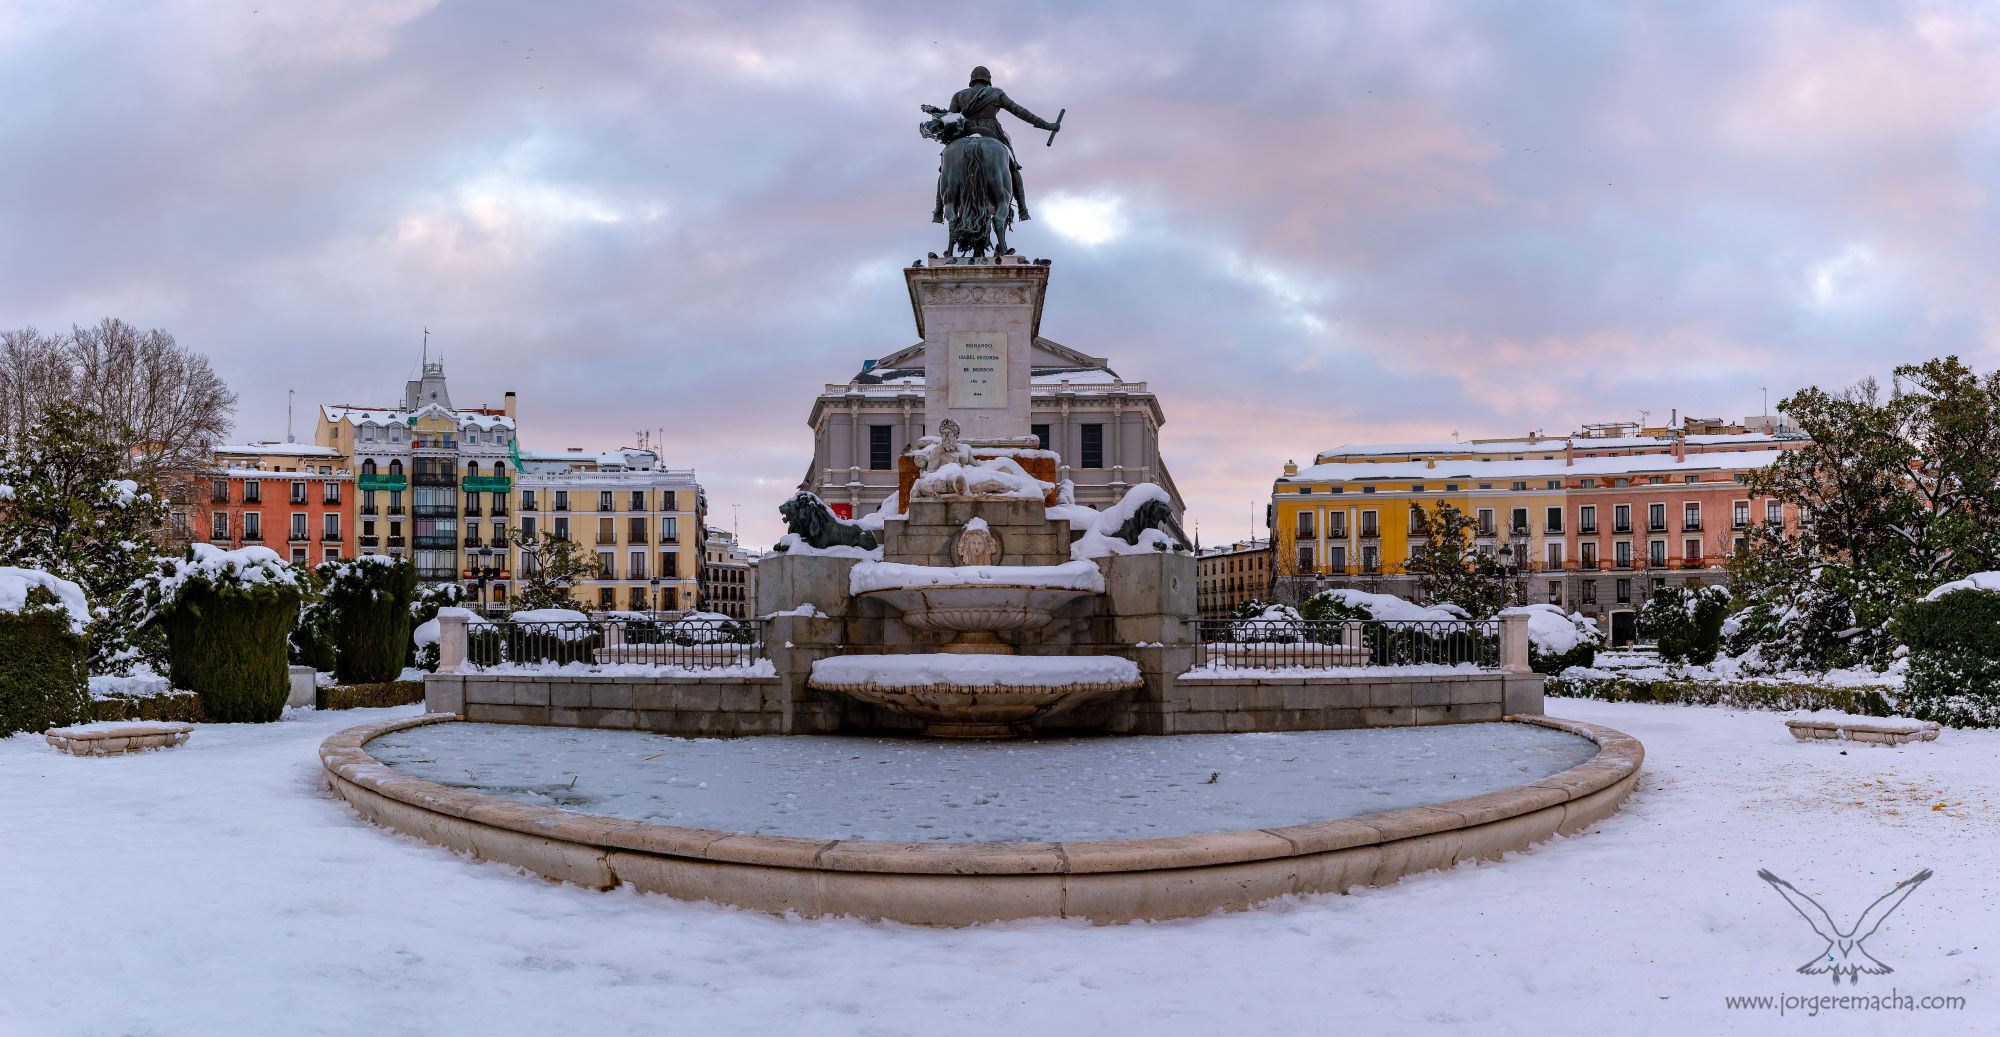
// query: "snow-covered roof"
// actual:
[[279, 450], [1240, 546], [1545, 446], [1467, 470], [398, 416]]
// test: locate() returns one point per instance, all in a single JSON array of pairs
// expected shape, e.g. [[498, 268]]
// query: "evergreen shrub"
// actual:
[[366, 603], [1954, 643], [44, 654], [1686, 622], [228, 616]]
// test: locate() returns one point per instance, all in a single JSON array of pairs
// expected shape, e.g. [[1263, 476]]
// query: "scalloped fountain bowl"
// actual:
[[975, 695], [977, 612]]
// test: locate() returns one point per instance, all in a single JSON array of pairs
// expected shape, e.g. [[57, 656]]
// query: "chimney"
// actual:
[[1680, 449], [1569, 454], [1291, 468], [507, 407]]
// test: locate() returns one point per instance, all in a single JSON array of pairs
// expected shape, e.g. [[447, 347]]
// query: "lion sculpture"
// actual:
[[817, 525]]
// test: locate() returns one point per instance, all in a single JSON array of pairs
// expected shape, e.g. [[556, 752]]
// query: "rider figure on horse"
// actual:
[[980, 103]]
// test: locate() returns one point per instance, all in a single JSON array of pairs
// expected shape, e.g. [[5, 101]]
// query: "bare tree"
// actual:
[[167, 404]]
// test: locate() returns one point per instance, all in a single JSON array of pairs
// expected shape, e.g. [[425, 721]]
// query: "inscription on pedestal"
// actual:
[[977, 377]]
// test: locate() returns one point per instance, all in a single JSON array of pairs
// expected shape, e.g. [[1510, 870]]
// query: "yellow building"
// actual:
[[642, 522], [434, 483], [1348, 520]]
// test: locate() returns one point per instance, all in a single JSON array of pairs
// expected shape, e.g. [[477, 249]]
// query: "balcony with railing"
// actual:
[[381, 481], [1587, 530], [436, 510], [471, 510], [474, 542], [299, 536], [487, 483], [254, 536], [330, 538], [436, 543], [1619, 528], [367, 509], [366, 540], [1690, 525], [395, 542]]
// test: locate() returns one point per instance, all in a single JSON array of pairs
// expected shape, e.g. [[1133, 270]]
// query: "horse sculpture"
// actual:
[[817, 525], [976, 186]]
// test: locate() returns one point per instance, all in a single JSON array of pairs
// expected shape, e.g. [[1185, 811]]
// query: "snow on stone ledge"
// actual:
[[1835, 718], [881, 576], [15, 583], [1100, 535], [1012, 671], [793, 544]]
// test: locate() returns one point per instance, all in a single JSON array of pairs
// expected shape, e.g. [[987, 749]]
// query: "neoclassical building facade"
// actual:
[[1106, 429]]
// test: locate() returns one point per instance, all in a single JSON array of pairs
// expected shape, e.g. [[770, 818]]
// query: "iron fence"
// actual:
[[1318, 644], [704, 643]]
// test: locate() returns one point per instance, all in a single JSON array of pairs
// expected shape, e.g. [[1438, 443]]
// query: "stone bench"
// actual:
[[1879, 730], [111, 739]]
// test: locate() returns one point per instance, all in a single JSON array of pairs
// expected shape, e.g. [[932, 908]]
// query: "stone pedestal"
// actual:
[[978, 320]]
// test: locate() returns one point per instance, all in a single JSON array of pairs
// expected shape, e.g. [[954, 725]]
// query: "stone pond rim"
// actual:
[[954, 884]]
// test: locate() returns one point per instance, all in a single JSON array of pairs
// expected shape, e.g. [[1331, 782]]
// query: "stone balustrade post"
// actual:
[[452, 626], [1350, 633], [1514, 643]]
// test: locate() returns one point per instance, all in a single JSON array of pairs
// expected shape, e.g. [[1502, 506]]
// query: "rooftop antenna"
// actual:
[[1766, 390], [736, 522], [427, 345], [1642, 419], [288, 415]]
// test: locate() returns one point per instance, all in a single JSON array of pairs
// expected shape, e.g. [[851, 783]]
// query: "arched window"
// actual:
[[368, 467], [472, 469], [395, 467]]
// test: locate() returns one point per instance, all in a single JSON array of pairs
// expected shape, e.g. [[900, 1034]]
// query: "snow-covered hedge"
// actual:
[[366, 602], [44, 672], [1953, 636], [1686, 622], [1347, 603], [228, 616], [1558, 640], [1735, 694], [1266, 622]]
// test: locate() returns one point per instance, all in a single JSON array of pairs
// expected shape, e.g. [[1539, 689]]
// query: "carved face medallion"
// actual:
[[977, 547]]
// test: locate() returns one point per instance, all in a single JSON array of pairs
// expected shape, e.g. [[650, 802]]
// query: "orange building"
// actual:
[[283, 496]]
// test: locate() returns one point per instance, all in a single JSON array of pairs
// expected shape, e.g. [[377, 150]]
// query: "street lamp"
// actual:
[[1507, 559], [653, 598]]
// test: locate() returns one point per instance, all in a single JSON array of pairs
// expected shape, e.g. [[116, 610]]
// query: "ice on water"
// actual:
[[907, 790]]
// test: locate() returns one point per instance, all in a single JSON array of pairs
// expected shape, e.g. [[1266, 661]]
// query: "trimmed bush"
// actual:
[[1735, 694], [228, 616], [367, 607], [1954, 643], [44, 655], [1686, 622]]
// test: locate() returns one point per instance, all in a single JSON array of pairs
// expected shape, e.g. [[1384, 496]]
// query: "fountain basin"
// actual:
[[976, 602], [980, 610], [975, 696]]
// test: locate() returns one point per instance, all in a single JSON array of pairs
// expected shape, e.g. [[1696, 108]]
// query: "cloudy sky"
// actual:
[[1303, 225]]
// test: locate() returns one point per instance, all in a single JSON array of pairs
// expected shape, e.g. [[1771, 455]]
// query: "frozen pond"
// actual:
[[907, 790]]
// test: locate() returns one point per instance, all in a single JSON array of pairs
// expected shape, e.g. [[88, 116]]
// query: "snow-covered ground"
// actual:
[[216, 889], [919, 790]]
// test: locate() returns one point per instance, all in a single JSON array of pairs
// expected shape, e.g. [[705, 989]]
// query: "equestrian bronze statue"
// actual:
[[979, 178]]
